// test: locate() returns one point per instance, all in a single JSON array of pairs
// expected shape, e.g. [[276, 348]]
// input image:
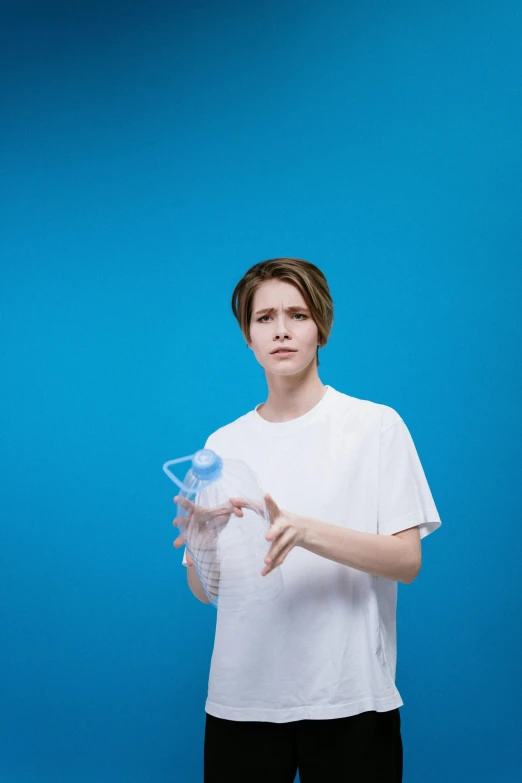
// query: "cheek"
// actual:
[[311, 336], [256, 334]]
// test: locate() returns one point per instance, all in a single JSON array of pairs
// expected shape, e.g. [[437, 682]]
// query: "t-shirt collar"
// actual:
[[293, 424]]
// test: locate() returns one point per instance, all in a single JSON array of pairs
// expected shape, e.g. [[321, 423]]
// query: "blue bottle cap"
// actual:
[[207, 465]]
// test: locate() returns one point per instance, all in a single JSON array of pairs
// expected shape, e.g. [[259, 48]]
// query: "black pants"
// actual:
[[364, 748]]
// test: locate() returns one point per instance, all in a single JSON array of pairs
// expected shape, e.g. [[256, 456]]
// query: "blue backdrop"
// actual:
[[151, 153]]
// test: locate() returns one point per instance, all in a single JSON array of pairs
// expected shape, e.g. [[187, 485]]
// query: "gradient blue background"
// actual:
[[150, 154]]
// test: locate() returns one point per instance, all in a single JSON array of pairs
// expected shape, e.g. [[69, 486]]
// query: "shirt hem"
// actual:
[[306, 712]]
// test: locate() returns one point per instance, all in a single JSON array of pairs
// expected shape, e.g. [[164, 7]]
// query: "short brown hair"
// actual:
[[306, 277]]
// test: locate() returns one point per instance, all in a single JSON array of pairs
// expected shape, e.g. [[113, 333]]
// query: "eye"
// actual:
[[267, 316]]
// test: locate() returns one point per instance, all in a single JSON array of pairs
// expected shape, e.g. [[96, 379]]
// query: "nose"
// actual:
[[282, 330]]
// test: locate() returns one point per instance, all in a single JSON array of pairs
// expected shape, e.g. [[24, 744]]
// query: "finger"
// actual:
[[244, 503], [280, 546], [273, 532], [270, 502], [278, 559], [183, 502]]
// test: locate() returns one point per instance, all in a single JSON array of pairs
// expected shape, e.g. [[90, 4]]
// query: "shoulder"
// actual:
[[373, 414], [389, 417], [228, 433]]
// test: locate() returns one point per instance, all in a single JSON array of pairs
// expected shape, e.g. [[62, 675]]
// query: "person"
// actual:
[[307, 682]]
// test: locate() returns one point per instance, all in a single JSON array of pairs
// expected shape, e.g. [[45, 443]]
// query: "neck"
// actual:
[[288, 398]]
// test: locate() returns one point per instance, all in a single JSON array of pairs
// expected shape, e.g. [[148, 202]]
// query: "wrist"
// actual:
[[308, 531]]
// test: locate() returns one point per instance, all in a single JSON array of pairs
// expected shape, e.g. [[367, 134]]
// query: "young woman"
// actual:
[[307, 682]]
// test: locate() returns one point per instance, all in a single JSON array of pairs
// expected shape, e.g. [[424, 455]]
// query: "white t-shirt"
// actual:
[[326, 646]]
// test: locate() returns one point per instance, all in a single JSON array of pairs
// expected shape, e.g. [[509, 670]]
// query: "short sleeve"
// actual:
[[405, 499]]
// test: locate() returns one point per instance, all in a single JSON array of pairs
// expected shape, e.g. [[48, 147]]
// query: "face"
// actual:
[[281, 318]]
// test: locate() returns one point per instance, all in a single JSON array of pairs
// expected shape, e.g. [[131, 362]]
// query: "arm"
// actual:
[[195, 584], [204, 538], [396, 557]]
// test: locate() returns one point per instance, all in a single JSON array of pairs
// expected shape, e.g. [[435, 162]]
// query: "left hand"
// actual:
[[286, 531], [202, 526]]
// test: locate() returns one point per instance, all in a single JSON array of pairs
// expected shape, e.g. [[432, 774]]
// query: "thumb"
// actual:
[[273, 508]]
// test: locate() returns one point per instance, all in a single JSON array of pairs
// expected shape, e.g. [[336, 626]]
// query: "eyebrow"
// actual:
[[293, 309]]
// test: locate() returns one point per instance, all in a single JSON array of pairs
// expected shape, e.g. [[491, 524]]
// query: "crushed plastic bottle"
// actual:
[[228, 550]]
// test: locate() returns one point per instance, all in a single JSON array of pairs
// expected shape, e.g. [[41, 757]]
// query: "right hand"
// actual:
[[201, 534]]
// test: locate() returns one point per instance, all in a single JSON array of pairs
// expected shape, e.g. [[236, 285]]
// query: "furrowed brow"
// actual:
[[293, 309]]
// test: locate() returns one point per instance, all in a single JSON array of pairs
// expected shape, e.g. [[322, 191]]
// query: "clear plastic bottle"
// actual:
[[228, 550]]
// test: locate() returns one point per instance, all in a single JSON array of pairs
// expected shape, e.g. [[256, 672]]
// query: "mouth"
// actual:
[[283, 352]]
